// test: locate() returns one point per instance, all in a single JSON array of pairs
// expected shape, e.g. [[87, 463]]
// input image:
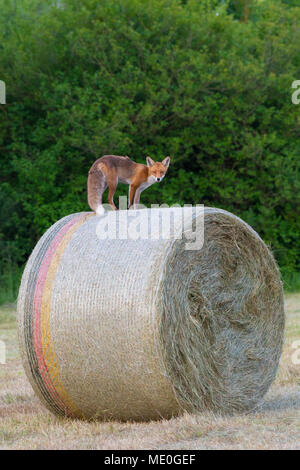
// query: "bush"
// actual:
[[186, 79]]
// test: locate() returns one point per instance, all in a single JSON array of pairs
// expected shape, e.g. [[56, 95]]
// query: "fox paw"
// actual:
[[100, 210]]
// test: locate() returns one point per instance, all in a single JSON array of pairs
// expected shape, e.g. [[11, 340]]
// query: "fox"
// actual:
[[108, 170]]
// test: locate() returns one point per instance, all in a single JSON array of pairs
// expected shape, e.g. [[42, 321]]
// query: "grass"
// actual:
[[26, 424], [291, 281], [10, 276]]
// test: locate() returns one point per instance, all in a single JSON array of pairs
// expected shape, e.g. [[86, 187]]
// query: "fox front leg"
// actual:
[[132, 192], [137, 198]]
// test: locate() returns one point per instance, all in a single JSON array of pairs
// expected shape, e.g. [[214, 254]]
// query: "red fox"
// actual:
[[107, 171]]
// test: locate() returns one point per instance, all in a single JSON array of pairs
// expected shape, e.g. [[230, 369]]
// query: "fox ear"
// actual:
[[166, 161], [149, 161]]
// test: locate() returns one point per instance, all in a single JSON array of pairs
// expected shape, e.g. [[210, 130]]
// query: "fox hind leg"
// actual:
[[112, 186]]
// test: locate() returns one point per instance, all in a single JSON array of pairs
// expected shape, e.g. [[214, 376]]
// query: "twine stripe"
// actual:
[[33, 310], [28, 311], [52, 369], [37, 311]]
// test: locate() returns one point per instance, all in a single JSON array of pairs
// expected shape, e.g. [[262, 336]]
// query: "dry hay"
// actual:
[[143, 329]]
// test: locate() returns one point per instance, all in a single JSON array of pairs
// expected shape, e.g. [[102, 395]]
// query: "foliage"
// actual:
[[137, 78]]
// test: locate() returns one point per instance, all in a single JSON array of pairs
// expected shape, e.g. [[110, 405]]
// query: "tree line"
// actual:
[[208, 83]]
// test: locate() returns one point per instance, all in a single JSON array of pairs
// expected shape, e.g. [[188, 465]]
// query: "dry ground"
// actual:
[[25, 424]]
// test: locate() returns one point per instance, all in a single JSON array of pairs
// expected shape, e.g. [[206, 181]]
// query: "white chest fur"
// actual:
[[146, 184]]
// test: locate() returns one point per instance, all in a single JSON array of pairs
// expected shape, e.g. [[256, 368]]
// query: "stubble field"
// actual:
[[275, 424]]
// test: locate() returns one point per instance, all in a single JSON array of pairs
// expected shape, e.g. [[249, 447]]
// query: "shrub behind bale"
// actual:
[[143, 329]]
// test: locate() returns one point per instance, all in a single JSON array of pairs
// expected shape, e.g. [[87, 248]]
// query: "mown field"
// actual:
[[26, 424]]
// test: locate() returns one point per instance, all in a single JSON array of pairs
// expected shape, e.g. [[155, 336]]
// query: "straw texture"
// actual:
[[143, 329]]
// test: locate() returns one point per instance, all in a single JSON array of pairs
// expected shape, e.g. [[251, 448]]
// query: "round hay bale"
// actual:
[[143, 329]]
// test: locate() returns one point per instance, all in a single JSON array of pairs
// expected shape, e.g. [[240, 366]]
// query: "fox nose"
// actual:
[[157, 179]]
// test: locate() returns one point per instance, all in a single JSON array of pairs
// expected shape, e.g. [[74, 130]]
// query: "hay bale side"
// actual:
[[144, 329]]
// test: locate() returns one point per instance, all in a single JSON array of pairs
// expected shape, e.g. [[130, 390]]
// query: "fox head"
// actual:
[[157, 170]]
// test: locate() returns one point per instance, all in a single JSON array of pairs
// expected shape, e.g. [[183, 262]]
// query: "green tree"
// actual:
[[164, 77]]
